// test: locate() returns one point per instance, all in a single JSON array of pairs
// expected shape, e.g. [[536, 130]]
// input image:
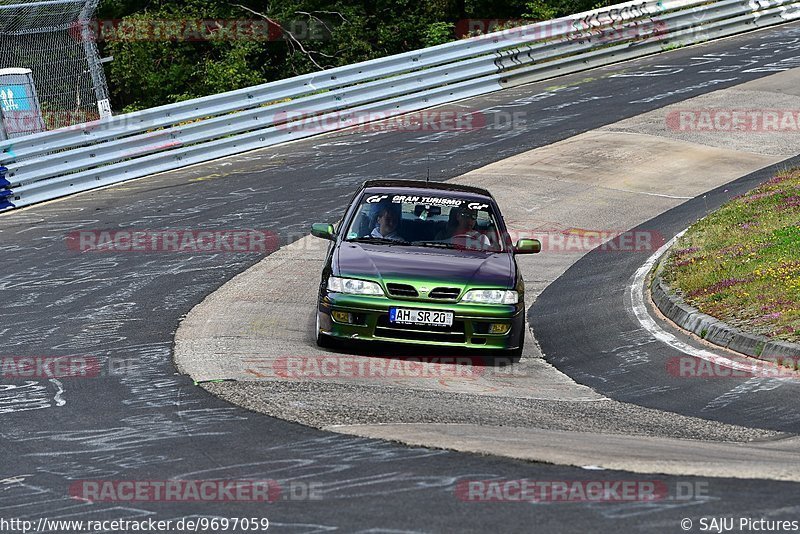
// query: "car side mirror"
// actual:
[[528, 246], [323, 230]]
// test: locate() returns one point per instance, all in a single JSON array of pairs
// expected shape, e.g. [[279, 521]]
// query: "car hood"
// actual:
[[435, 266]]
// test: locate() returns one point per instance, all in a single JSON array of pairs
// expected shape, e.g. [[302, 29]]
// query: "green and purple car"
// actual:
[[422, 263]]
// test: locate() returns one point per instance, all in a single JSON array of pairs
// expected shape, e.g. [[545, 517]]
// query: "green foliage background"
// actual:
[[148, 72]]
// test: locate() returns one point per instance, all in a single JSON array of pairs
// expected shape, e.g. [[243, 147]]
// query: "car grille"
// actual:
[[449, 293], [450, 334], [401, 290]]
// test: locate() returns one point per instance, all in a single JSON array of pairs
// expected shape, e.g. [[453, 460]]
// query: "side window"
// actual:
[[338, 225], [365, 221], [485, 225]]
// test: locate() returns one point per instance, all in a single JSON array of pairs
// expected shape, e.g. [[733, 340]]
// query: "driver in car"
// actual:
[[388, 218], [464, 233]]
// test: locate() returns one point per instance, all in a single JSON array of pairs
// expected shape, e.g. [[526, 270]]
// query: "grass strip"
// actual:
[[741, 263]]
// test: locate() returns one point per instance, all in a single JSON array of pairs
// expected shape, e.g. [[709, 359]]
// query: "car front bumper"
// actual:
[[369, 321]]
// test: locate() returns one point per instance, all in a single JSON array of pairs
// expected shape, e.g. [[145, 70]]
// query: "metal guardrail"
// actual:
[[60, 162]]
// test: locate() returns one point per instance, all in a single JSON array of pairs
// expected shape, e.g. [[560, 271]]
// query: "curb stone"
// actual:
[[712, 329]]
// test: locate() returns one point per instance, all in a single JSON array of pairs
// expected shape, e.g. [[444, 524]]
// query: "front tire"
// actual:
[[516, 354], [324, 341]]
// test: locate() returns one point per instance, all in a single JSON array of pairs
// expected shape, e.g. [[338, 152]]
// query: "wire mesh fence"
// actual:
[[54, 40]]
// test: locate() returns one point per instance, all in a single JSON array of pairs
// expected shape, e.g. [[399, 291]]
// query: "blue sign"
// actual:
[[14, 98]]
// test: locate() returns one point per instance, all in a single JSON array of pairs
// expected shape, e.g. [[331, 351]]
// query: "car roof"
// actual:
[[423, 185]]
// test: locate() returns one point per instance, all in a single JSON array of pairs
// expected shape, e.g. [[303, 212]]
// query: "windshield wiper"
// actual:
[[379, 240], [445, 244], [437, 244]]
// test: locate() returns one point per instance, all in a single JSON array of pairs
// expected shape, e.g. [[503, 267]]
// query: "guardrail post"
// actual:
[[95, 68]]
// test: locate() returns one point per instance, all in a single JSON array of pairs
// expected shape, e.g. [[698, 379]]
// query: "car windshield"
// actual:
[[440, 219]]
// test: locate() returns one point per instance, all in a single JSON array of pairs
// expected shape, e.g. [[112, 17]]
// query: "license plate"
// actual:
[[420, 317]]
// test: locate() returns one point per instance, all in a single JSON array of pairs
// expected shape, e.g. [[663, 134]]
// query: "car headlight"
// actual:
[[491, 296], [353, 286]]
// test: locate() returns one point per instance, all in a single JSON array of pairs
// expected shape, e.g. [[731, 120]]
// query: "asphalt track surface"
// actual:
[[152, 424]]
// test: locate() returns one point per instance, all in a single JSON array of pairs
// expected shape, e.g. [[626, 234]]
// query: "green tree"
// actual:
[[304, 36]]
